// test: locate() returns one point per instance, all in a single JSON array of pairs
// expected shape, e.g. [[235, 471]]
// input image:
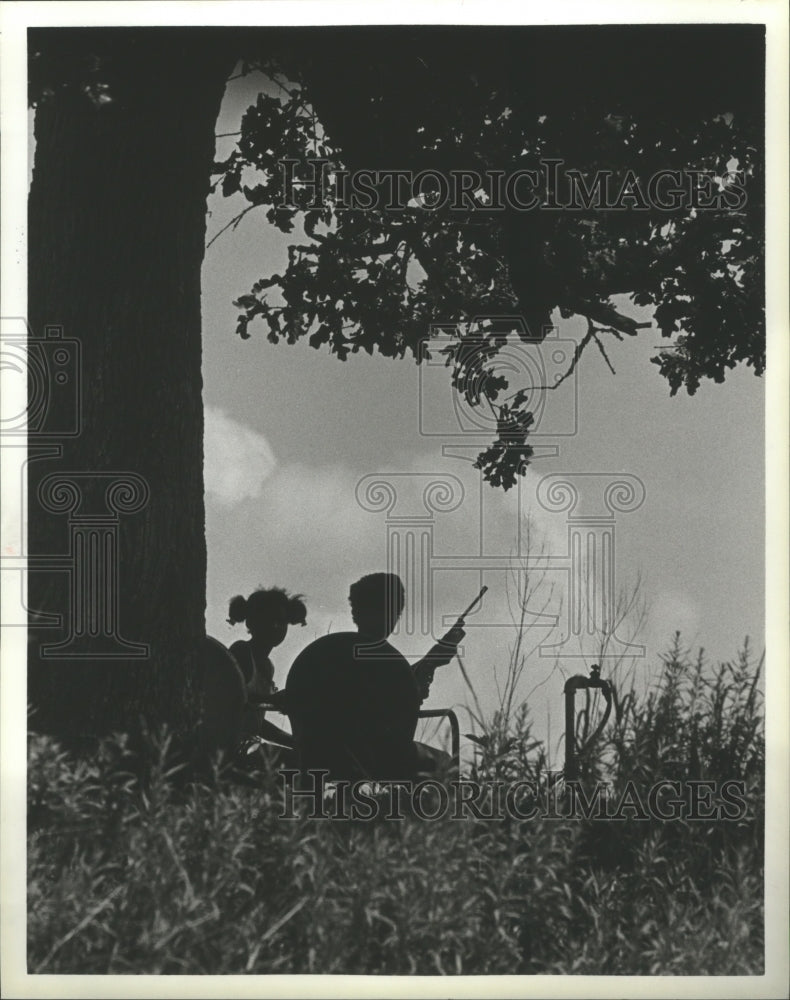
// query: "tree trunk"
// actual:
[[116, 241]]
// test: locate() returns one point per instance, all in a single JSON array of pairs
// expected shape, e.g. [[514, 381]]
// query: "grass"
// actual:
[[134, 867]]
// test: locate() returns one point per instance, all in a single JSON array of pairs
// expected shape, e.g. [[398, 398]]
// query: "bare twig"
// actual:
[[602, 349], [232, 224], [592, 334], [575, 360]]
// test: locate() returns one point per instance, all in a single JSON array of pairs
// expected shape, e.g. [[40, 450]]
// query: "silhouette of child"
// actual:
[[267, 614], [353, 699]]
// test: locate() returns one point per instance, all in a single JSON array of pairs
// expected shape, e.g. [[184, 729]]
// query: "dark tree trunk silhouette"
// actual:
[[116, 241]]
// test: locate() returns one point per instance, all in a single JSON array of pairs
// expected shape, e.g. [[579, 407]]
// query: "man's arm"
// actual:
[[437, 656]]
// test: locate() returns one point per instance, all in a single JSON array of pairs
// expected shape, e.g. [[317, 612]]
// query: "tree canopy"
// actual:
[[630, 184], [125, 137]]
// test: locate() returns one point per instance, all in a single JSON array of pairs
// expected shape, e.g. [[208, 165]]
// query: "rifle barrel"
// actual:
[[474, 602]]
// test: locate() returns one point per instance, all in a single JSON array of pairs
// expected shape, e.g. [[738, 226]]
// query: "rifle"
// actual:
[[428, 669], [461, 621]]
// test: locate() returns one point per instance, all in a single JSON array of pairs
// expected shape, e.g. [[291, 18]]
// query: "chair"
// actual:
[[277, 704], [455, 732]]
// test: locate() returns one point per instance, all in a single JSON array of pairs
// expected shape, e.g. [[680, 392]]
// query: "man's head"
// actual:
[[377, 603]]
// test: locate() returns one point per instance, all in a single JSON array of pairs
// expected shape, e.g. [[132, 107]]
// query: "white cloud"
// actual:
[[237, 459]]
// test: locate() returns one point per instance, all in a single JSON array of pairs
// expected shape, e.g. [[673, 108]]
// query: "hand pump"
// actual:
[[572, 754]]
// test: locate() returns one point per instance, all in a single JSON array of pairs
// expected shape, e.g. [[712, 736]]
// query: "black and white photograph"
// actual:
[[395, 456]]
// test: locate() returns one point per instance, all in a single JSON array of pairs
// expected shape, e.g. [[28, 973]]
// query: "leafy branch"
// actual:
[[377, 280]]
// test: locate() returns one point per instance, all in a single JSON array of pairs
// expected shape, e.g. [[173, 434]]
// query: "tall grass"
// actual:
[[135, 867]]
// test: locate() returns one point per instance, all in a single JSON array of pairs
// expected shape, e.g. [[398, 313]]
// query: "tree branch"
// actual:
[[602, 349], [389, 245], [592, 334], [591, 331], [232, 224], [607, 316]]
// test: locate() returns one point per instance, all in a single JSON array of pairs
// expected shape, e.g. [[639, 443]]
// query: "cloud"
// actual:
[[237, 459]]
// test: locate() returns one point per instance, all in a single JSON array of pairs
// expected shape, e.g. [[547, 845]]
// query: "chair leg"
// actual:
[[455, 732]]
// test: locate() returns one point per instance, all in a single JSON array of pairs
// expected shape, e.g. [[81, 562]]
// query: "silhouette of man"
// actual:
[[353, 699]]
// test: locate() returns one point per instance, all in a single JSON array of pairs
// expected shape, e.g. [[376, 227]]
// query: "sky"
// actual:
[[291, 432]]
